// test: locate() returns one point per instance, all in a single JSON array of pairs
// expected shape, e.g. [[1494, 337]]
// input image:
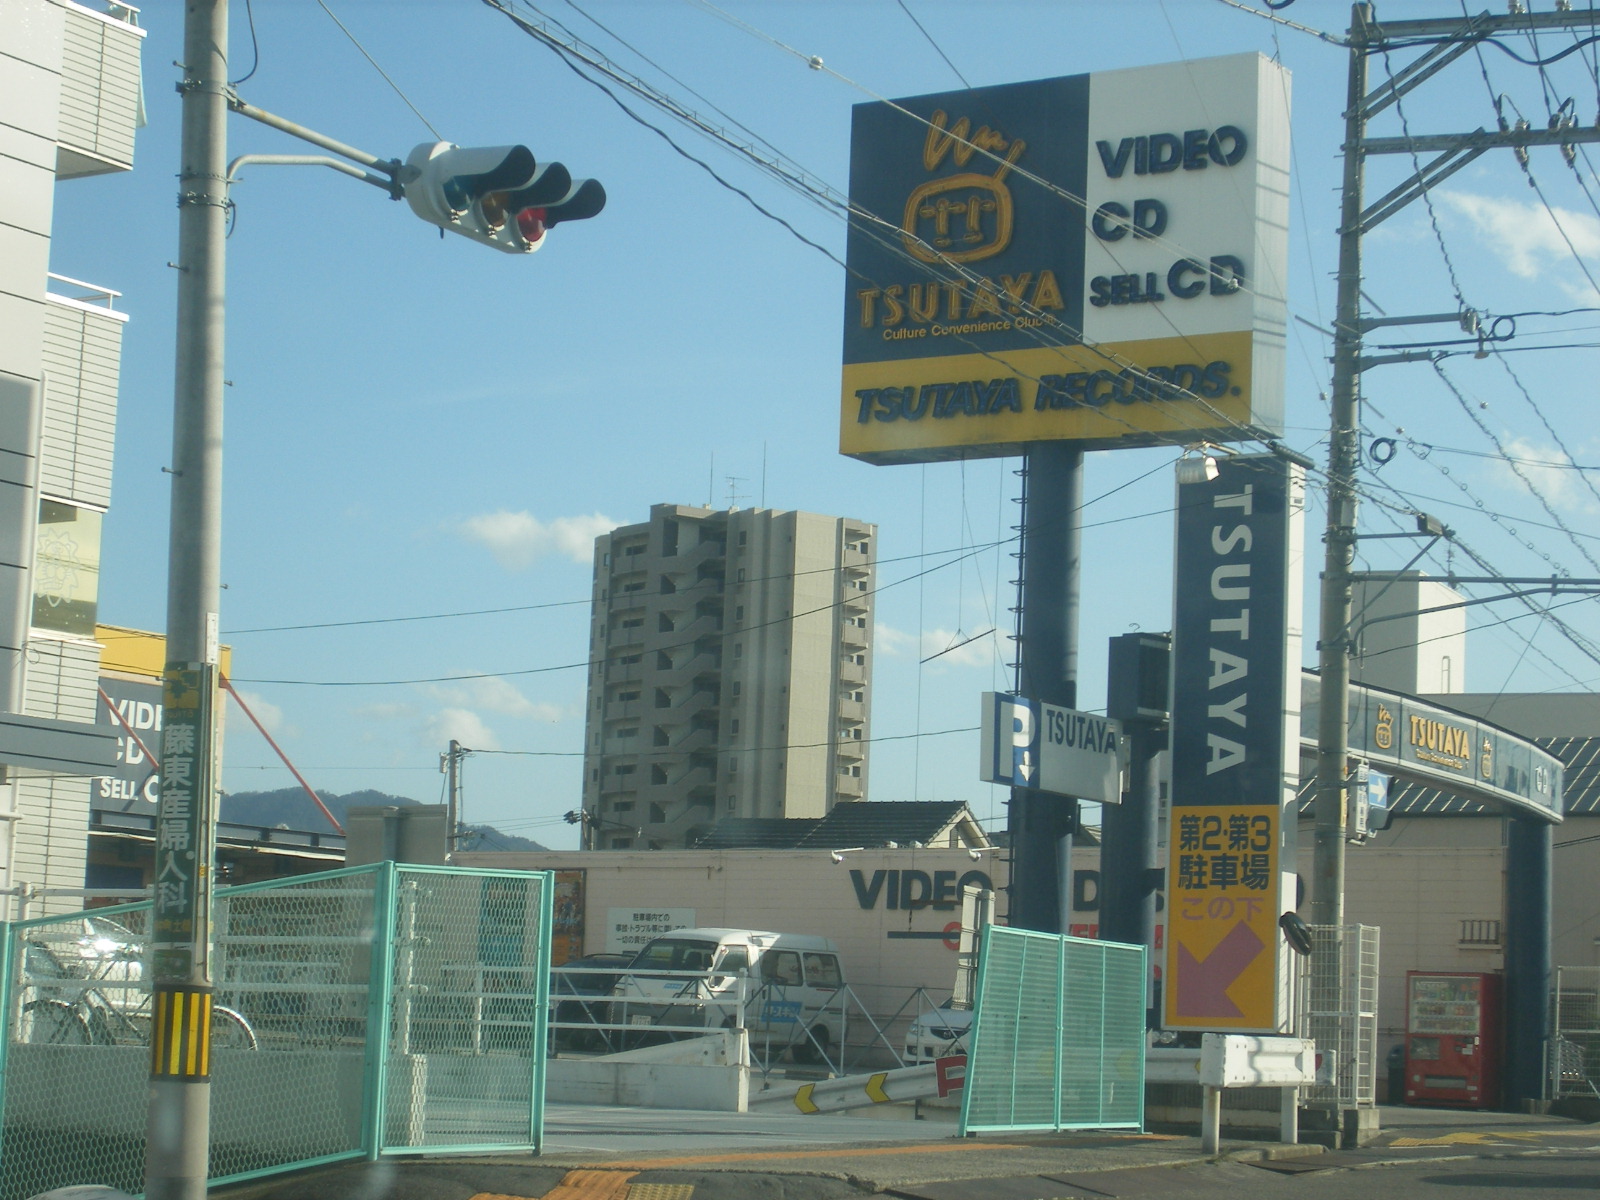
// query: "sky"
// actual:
[[423, 436]]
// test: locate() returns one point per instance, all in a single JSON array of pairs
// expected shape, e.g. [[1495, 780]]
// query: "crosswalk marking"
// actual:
[[1487, 1137], [592, 1185]]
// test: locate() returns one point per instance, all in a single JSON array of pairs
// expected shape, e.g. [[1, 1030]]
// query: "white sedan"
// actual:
[[938, 1033]]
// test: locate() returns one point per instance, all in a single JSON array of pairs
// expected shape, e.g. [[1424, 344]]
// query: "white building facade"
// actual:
[[69, 104]]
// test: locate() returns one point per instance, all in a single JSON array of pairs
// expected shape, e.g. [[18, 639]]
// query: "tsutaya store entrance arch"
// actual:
[[1510, 775], [1426, 743]]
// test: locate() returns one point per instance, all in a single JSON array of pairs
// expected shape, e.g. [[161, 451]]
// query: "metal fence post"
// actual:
[[380, 1008], [541, 1044], [8, 1014], [1061, 1012]]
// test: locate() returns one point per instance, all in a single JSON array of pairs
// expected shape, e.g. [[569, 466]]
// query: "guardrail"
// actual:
[[840, 1032]]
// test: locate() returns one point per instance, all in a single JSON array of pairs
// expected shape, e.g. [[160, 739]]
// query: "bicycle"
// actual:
[[107, 959]]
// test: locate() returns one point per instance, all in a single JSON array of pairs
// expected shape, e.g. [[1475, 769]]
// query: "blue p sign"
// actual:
[[1016, 736]]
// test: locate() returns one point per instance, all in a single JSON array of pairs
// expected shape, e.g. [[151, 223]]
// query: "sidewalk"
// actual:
[[637, 1154]]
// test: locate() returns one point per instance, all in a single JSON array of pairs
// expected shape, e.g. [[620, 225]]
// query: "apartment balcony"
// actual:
[[100, 94], [698, 627], [706, 663], [852, 675], [612, 784], [698, 555], [83, 364], [620, 636], [698, 703], [851, 709], [697, 738], [850, 749], [690, 780], [847, 787]]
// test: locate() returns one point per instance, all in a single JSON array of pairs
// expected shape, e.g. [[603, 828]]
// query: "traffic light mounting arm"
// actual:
[[390, 167], [496, 195]]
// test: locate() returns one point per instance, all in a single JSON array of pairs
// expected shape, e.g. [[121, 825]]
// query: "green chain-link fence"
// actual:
[[1058, 1037], [311, 1062]]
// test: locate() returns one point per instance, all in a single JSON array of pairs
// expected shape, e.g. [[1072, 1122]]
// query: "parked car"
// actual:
[[938, 1033], [578, 992], [792, 987]]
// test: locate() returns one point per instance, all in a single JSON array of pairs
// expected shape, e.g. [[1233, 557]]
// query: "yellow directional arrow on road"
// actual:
[[875, 1091], [803, 1101]]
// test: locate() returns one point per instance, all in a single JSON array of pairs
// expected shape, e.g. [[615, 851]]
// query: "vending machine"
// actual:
[[1453, 1045]]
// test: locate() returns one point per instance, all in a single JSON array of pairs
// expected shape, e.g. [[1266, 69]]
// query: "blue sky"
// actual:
[[419, 427]]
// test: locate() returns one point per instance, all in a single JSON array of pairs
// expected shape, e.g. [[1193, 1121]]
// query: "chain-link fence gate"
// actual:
[[1574, 1048], [1058, 1036], [373, 1010], [1338, 1009]]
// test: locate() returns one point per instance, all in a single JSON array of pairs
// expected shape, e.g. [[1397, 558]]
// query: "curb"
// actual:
[[1272, 1153]]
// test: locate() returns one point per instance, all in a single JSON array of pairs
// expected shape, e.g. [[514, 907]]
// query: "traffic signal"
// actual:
[[497, 195]]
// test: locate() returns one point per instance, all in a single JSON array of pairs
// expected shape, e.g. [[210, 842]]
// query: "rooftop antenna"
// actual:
[[763, 474], [711, 479], [734, 495]]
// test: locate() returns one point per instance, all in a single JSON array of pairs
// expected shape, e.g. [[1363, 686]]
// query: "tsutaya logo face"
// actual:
[[967, 216], [1067, 259]]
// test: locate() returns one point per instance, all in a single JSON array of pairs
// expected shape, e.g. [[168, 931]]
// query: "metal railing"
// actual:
[[837, 1032]]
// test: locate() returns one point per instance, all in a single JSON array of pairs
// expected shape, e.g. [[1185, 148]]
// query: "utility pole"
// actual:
[[1450, 38], [1344, 448], [450, 764], [178, 1131], [498, 196], [1447, 39]]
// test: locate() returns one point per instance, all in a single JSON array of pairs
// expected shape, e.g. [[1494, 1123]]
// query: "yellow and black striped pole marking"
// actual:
[[180, 1033]]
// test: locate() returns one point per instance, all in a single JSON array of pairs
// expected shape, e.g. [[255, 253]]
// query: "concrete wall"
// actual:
[[887, 949]]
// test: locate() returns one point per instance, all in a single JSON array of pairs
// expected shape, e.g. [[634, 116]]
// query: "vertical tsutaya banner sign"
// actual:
[[1235, 743], [1098, 258]]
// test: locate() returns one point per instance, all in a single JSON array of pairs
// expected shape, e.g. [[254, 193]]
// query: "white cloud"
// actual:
[[1560, 485], [460, 725], [890, 641], [497, 696], [952, 647], [1525, 235], [387, 711], [958, 649], [516, 539], [270, 715]]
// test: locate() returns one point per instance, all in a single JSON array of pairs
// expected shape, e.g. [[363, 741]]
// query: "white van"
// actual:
[[792, 985]]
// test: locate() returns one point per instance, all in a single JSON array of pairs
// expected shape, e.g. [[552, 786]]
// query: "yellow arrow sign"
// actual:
[[803, 1101], [875, 1091]]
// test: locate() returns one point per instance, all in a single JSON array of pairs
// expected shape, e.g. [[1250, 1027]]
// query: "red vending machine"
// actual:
[[1453, 1047]]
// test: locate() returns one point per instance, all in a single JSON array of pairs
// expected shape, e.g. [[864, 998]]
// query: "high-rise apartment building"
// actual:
[[730, 670], [69, 103]]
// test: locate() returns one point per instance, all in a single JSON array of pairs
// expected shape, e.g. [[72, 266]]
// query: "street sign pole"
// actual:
[[178, 1132], [1041, 826]]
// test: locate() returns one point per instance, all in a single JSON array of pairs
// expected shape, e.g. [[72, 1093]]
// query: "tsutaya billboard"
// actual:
[[1235, 743], [1097, 258]]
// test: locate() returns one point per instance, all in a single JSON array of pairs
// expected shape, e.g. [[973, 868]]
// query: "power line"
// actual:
[[585, 664], [517, 608], [888, 236], [937, 48]]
